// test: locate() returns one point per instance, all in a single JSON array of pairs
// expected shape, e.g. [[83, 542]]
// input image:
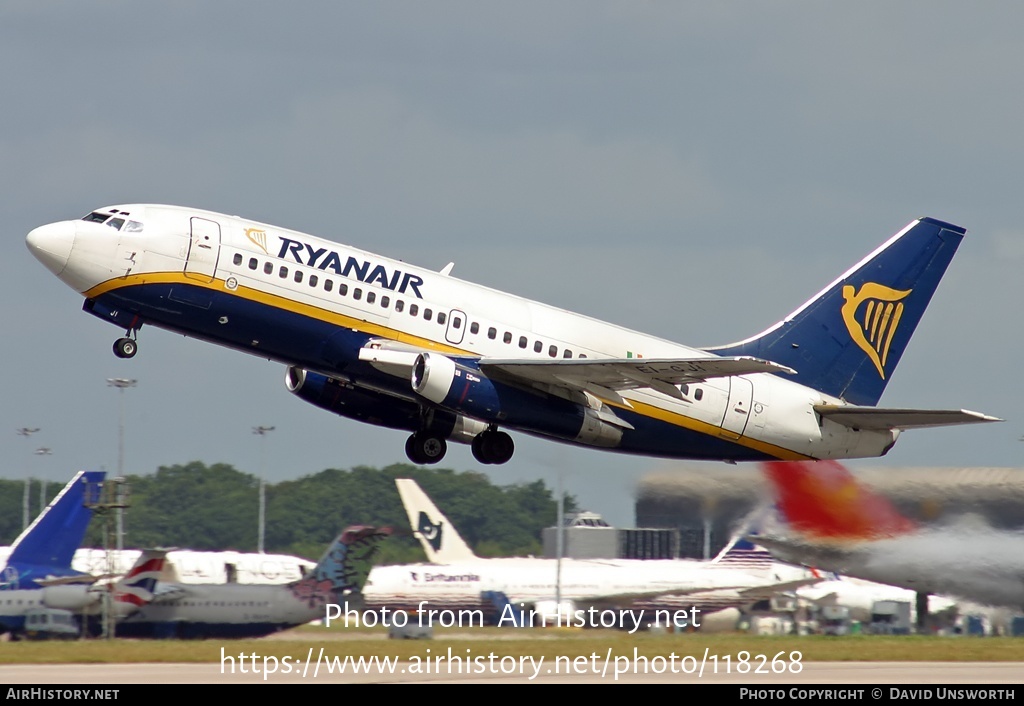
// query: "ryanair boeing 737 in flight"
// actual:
[[391, 344]]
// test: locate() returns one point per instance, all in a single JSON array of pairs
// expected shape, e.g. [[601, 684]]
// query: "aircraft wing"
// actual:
[[629, 373], [760, 593], [78, 579], [601, 377], [880, 418], [745, 593]]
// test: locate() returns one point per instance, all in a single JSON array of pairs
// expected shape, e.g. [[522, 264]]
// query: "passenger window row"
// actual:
[[538, 346], [385, 301]]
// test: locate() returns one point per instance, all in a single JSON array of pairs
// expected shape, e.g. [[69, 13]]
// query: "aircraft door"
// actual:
[[737, 412], [456, 326], [203, 250]]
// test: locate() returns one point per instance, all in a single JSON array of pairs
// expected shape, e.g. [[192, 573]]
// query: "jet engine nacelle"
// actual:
[[349, 401], [379, 408], [455, 385], [460, 386], [73, 598]]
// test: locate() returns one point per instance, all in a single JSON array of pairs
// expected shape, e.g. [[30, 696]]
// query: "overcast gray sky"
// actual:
[[690, 169]]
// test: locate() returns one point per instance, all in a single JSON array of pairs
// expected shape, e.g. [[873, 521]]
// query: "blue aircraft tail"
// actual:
[[47, 546], [847, 340]]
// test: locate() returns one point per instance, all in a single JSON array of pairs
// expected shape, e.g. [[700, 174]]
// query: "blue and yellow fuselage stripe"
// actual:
[[317, 338]]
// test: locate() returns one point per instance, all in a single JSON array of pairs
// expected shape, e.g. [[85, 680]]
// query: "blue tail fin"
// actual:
[[48, 545], [847, 340]]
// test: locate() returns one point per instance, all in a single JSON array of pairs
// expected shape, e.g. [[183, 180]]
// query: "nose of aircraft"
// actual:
[[51, 244]]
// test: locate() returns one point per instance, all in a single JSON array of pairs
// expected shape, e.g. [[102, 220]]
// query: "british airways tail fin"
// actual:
[[136, 588], [440, 540], [847, 340], [823, 500], [47, 546]]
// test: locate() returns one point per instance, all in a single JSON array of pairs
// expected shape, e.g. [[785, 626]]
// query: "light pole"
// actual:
[[262, 433], [121, 384], [42, 451], [560, 550], [26, 432]]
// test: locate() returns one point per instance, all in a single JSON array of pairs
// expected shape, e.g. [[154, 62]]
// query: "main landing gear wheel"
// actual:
[[425, 448], [493, 447], [125, 348]]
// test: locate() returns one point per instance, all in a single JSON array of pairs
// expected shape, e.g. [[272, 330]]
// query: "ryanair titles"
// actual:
[[364, 270]]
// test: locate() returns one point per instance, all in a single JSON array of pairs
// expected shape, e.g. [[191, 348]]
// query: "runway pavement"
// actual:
[[884, 674]]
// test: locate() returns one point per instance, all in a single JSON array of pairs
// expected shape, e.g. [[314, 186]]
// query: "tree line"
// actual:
[[216, 507]]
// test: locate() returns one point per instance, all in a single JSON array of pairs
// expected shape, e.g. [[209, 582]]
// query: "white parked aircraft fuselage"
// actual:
[[226, 610], [187, 566], [669, 584]]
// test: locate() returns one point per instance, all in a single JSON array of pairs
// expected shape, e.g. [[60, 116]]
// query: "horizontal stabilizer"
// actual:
[[168, 593], [878, 418], [832, 554]]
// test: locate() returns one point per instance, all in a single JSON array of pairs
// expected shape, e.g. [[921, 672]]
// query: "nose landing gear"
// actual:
[[125, 348]]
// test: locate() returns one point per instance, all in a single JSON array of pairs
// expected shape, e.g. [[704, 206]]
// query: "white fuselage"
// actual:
[[676, 584], [186, 566], [230, 281], [189, 567], [221, 610]]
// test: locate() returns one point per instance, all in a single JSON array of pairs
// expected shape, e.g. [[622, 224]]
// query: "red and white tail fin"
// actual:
[[137, 587], [823, 500]]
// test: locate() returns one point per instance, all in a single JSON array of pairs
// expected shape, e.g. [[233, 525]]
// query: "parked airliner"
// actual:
[[180, 610], [459, 580], [190, 566], [391, 344], [74, 600], [835, 523]]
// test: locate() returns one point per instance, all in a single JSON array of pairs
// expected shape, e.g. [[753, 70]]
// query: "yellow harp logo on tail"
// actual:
[[873, 326], [258, 238]]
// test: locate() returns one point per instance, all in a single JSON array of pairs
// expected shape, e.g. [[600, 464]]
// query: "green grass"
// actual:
[[549, 643]]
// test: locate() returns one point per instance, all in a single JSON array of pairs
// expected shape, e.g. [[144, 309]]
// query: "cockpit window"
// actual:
[[115, 222]]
